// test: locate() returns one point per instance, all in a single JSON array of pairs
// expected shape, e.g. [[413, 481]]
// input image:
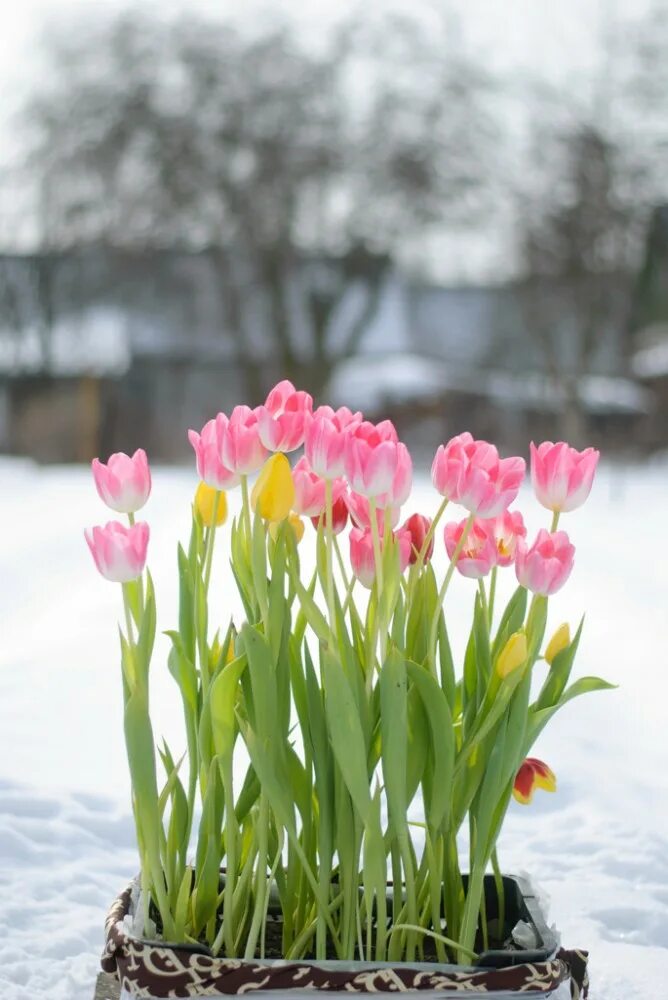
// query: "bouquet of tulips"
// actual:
[[315, 725]]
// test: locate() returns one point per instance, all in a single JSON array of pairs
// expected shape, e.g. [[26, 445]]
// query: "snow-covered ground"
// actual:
[[599, 848]]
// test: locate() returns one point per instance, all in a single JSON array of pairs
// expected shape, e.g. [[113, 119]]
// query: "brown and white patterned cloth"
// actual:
[[151, 970]]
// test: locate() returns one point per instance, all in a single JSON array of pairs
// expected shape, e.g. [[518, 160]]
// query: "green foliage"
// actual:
[[309, 734]]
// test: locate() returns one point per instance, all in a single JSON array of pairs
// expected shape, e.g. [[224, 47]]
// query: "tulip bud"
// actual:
[[339, 516], [513, 655], [295, 522], [274, 491], [205, 502], [560, 640], [418, 526], [533, 774]]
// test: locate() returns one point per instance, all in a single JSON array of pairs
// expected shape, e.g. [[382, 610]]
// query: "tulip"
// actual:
[[360, 513], [310, 490], [274, 491], [533, 774], [507, 528], [324, 441], [418, 527], [124, 483], [546, 566], [205, 503], [282, 418], [513, 655], [478, 554], [208, 447], [560, 640], [402, 481], [561, 476], [471, 473], [362, 554], [344, 418], [295, 522], [241, 447], [339, 516], [119, 551], [376, 464], [282, 399]]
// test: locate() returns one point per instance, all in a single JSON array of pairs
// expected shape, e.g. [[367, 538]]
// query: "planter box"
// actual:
[[154, 970]]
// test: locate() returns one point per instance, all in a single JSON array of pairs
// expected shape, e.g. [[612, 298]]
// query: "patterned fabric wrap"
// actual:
[[150, 969]]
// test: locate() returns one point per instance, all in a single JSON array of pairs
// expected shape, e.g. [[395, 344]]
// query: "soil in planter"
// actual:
[[515, 910]]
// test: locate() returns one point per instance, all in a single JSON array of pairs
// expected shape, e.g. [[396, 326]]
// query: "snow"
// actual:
[[598, 848]]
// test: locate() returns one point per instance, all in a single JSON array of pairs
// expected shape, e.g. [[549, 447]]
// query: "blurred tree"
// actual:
[[578, 245], [304, 173]]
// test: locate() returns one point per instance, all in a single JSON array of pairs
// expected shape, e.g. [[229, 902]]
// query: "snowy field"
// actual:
[[598, 848]]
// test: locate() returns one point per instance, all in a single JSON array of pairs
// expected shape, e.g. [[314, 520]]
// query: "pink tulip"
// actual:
[[208, 446], [545, 567], [339, 516], [362, 555], [561, 476], [418, 527], [507, 528], [449, 463], [377, 464], [325, 437], [478, 554], [242, 451], [471, 473], [282, 418], [119, 551], [310, 492], [343, 417], [124, 483], [360, 513]]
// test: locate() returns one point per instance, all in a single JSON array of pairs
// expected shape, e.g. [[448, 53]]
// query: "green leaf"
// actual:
[[183, 671], [146, 638], [437, 710], [558, 673], [222, 703], [186, 604], [346, 735], [511, 620], [310, 609], [536, 623], [259, 562], [447, 666], [394, 731]]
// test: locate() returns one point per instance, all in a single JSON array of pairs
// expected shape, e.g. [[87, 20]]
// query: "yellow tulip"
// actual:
[[205, 501], [295, 522], [513, 654], [274, 490], [560, 640]]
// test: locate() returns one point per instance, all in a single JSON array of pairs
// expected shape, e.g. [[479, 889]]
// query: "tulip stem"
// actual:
[[329, 531], [492, 596], [208, 547], [378, 559], [446, 583], [430, 534], [246, 509], [483, 602], [342, 565], [555, 521]]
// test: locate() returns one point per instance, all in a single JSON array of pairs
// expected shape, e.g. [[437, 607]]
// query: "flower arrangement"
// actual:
[[338, 699]]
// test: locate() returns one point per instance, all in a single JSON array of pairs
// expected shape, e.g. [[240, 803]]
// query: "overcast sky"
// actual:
[[561, 42]]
